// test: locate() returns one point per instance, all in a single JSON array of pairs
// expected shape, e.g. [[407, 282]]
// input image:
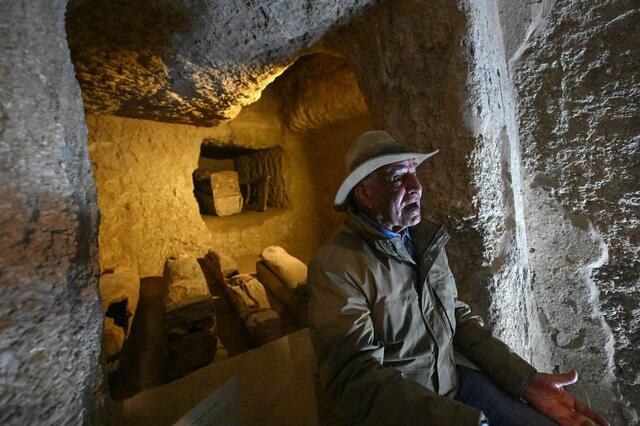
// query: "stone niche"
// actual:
[[226, 175]]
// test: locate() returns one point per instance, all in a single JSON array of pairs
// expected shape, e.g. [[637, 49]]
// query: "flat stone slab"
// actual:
[[276, 387]]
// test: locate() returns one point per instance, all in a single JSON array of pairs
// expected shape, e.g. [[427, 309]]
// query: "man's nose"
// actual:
[[413, 184]]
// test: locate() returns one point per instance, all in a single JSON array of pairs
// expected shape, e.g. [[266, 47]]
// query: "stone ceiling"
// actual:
[[190, 61]]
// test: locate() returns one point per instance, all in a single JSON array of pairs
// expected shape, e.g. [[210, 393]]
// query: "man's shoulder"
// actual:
[[341, 248]]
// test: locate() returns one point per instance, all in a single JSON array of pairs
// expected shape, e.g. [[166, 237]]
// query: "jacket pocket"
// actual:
[[396, 318], [444, 288]]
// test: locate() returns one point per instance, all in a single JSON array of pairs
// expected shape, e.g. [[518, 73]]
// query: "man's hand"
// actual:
[[547, 395]]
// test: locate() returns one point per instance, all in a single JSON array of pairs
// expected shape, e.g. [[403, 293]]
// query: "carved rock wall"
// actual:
[[579, 100], [50, 313], [412, 77], [145, 192]]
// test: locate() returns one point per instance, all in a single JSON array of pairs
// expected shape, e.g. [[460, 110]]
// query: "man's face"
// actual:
[[392, 195]]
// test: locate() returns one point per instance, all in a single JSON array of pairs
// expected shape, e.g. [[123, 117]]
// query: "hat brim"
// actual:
[[369, 166]]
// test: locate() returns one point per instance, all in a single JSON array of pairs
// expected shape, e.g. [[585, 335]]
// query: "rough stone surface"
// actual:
[[121, 286], [267, 162], [190, 61], [50, 313], [145, 192], [320, 90], [225, 189], [577, 79]]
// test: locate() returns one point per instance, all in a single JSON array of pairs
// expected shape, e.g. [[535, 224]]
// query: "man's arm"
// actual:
[[350, 363], [474, 340]]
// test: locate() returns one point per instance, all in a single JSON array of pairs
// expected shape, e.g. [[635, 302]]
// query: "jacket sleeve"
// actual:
[[474, 340], [350, 363]]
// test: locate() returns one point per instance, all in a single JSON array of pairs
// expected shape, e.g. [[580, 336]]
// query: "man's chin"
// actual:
[[413, 220]]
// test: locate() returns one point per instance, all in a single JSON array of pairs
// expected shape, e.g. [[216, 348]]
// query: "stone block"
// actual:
[[113, 341], [192, 351], [225, 188], [120, 292], [200, 313]]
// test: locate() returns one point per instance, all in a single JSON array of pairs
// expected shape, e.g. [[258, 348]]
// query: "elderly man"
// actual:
[[385, 318]]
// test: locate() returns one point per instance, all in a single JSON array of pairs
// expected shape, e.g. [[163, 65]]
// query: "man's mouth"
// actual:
[[413, 205]]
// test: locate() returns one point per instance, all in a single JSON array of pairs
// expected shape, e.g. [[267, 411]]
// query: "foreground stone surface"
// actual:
[[50, 312], [188, 62], [285, 393]]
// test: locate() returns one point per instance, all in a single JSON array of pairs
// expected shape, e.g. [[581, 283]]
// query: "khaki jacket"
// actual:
[[384, 330]]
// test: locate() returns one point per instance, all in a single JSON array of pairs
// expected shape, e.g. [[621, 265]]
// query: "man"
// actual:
[[385, 317]]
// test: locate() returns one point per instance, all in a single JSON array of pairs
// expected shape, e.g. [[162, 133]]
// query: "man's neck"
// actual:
[[385, 228]]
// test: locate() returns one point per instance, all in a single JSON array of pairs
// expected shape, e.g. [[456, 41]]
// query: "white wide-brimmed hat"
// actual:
[[369, 152]]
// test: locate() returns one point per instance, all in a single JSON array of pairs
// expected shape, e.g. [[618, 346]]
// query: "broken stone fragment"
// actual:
[[220, 265], [249, 299]]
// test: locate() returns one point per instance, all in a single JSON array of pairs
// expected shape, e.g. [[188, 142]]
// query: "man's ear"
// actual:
[[362, 195]]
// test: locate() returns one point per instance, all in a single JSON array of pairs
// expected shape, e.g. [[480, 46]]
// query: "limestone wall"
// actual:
[[325, 149], [145, 192], [579, 101], [50, 314]]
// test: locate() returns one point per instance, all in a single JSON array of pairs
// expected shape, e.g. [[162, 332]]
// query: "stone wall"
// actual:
[[325, 150], [145, 192], [413, 79], [579, 101], [50, 314]]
